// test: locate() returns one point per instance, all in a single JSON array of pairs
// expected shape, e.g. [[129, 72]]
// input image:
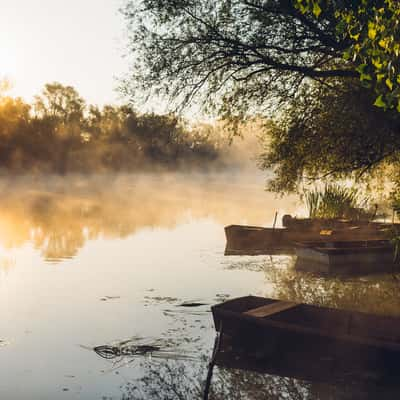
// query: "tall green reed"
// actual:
[[335, 201]]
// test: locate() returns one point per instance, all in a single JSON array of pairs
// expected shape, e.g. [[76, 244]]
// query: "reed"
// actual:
[[395, 237], [335, 201]]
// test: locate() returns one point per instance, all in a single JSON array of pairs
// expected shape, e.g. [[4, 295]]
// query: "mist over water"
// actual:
[[60, 214]]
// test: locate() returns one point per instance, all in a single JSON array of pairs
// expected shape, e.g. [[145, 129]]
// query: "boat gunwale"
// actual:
[[255, 228]]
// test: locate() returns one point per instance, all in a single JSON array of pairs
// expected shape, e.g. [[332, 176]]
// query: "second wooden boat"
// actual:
[[256, 240], [267, 328]]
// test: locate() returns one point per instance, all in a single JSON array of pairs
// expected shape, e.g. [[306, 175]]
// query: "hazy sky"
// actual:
[[75, 42]]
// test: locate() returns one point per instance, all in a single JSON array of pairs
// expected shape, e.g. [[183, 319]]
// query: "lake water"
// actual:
[[110, 260]]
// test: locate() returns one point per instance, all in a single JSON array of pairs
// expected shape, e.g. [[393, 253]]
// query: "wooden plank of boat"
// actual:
[[270, 309]]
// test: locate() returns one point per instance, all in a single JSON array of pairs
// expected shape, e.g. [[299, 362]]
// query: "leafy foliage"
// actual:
[[235, 56], [59, 102], [324, 70], [330, 132], [60, 133], [395, 203], [371, 27], [245, 51]]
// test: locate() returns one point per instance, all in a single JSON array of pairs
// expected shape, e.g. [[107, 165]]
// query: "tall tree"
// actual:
[[317, 67], [61, 103], [235, 55]]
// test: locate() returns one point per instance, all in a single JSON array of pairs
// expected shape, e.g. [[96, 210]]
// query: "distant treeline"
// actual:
[[60, 133]]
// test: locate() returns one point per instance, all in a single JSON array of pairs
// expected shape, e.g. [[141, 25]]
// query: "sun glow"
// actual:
[[75, 43], [8, 60]]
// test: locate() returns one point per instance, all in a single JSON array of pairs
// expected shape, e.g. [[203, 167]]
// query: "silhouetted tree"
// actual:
[[60, 102], [64, 135], [234, 54], [284, 59]]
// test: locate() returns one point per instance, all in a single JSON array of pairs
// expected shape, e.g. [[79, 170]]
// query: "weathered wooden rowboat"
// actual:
[[272, 329], [345, 257], [255, 240]]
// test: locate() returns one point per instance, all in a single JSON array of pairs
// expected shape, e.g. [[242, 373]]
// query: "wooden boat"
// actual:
[[345, 257], [269, 329], [256, 240]]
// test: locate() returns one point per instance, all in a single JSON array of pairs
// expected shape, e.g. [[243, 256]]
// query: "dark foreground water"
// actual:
[[114, 261]]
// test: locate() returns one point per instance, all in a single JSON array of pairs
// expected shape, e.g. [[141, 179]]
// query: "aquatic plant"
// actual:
[[395, 234], [335, 201], [312, 200]]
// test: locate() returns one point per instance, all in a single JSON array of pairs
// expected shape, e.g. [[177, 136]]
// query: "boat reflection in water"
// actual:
[[246, 370], [304, 378], [239, 376]]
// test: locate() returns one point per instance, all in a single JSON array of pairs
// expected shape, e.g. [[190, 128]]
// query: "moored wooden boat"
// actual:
[[345, 257], [256, 240], [267, 329]]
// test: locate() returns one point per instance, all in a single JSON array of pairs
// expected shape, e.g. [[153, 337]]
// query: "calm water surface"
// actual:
[[109, 260]]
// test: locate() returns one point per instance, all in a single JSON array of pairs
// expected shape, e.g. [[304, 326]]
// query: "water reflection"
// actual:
[[168, 377], [375, 294], [60, 215], [181, 381], [157, 284]]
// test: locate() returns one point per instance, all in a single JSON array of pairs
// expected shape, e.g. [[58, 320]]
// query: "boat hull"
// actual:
[[305, 332], [255, 240], [350, 257]]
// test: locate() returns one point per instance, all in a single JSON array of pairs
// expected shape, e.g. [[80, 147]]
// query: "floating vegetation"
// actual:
[[192, 304], [110, 352], [4, 343], [126, 352], [160, 299], [106, 298], [169, 313], [220, 297], [259, 263], [174, 301]]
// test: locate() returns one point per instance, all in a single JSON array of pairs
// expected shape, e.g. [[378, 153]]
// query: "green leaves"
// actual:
[[361, 68], [389, 84], [373, 30], [312, 6], [379, 102], [316, 9]]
